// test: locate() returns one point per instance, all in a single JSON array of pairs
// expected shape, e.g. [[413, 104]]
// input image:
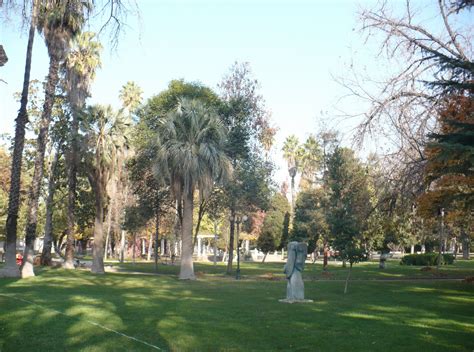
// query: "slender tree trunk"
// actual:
[[34, 193], [11, 269], [293, 195], [122, 246], [48, 228], [440, 245], [109, 225], [157, 231], [348, 277], [98, 247], [134, 247], [199, 219], [231, 241], [150, 246], [465, 244], [325, 258], [455, 249], [264, 257], [57, 244], [71, 199], [187, 268]]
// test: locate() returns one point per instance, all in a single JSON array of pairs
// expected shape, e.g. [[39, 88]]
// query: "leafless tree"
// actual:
[[419, 45]]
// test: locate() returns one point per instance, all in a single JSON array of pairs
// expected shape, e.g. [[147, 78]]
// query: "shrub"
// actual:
[[448, 258], [426, 259]]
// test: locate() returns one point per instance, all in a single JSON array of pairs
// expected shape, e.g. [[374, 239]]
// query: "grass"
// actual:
[[362, 271], [217, 313]]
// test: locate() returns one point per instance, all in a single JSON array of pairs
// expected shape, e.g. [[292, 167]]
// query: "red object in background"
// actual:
[[19, 259]]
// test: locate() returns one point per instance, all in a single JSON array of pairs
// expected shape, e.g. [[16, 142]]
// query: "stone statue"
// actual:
[[294, 266]]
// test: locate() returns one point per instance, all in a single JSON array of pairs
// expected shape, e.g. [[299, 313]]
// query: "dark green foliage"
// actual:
[[251, 183], [309, 221], [275, 218], [353, 255], [426, 259], [266, 241], [454, 146], [136, 218], [159, 105], [349, 198], [285, 232]]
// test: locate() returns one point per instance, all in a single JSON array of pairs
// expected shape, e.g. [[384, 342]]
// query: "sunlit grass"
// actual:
[[217, 312], [362, 271]]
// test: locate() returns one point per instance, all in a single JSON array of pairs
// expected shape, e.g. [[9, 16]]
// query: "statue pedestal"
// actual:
[[291, 301]]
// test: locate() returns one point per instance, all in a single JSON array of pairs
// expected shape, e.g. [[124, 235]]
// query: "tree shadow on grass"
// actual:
[[210, 315], [71, 311]]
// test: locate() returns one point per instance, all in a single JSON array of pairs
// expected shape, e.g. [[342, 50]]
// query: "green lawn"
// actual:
[[59, 311], [362, 271]]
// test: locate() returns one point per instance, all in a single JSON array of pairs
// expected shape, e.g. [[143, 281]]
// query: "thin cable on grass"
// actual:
[[85, 320]]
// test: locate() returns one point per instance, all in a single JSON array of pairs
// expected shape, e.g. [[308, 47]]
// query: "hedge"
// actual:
[[426, 259]]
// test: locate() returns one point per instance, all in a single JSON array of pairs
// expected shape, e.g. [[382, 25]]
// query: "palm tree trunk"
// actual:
[[11, 269], [72, 183], [48, 228], [98, 247], [109, 226], [293, 195], [32, 215], [187, 268]]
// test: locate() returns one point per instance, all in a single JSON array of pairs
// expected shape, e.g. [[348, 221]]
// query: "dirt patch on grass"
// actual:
[[469, 280], [270, 277]]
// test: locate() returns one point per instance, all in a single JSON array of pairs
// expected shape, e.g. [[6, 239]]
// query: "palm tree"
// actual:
[[191, 155], [79, 71], [11, 269], [105, 133], [131, 96], [311, 157], [59, 21], [292, 153]]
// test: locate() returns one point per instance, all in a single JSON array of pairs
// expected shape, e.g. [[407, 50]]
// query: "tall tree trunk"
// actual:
[[264, 257], [293, 195], [48, 228], [134, 247], [11, 269], [71, 199], [98, 247], [109, 226], [202, 207], [440, 250], [465, 244], [150, 246], [325, 258], [33, 197], [122, 246], [157, 231], [187, 268], [231, 241]]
